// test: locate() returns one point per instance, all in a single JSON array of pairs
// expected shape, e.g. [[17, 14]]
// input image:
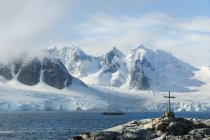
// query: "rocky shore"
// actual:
[[167, 127]]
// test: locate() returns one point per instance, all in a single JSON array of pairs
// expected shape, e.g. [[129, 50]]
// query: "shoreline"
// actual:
[[163, 128]]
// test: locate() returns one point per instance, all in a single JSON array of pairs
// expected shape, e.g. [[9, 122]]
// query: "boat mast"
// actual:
[[116, 101], [109, 102]]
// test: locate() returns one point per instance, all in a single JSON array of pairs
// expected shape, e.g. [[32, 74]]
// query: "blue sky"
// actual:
[[134, 8], [178, 26]]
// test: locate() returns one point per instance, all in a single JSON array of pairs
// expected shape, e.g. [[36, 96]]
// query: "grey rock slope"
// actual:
[[6, 72], [31, 71], [110, 61], [55, 73]]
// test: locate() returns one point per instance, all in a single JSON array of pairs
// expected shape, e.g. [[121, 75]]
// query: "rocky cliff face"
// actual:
[[55, 73], [32, 70], [113, 68], [6, 72], [110, 62]]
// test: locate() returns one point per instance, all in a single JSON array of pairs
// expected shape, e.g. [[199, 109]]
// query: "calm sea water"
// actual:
[[63, 125]]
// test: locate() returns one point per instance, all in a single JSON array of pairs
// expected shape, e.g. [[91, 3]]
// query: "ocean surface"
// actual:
[[63, 125]]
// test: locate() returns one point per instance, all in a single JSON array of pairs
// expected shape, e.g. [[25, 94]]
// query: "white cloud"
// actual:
[[187, 39], [28, 25], [199, 24], [24, 23]]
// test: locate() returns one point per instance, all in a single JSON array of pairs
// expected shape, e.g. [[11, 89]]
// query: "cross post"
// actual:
[[169, 100]]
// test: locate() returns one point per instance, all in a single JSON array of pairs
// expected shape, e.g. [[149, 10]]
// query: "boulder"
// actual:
[[175, 128], [187, 124], [169, 114], [184, 137], [161, 126], [200, 133], [140, 134], [104, 135], [199, 124]]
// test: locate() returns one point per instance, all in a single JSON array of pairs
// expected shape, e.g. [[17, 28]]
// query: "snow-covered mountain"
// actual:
[[160, 71], [77, 62], [141, 69], [49, 83], [32, 70]]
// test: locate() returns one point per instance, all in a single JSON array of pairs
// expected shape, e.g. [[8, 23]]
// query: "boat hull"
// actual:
[[113, 113]]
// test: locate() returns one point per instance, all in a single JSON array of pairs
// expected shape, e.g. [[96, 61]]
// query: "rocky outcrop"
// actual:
[[55, 73], [111, 61], [30, 72], [6, 72], [163, 128], [17, 65]]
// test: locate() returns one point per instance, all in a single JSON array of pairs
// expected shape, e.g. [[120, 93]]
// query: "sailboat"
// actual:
[[113, 112]]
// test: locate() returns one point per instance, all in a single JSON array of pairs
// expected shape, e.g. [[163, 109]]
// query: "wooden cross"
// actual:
[[169, 100]]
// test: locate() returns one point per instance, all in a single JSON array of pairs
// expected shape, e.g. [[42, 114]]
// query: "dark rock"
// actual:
[[112, 68], [30, 72], [184, 137], [121, 137], [161, 126], [6, 72], [138, 79], [55, 73], [77, 138], [140, 134], [147, 64], [199, 124], [17, 65], [104, 135], [200, 133], [187, 124], [110, 60], [175, 128]]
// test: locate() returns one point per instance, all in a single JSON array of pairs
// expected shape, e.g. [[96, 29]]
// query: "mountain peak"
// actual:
[[74, 47], [73, 50], [142, 48], [117, 52]]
